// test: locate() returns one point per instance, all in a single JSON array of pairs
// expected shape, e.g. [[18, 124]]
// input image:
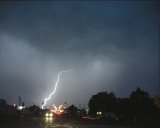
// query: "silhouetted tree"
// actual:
[[142, 106], [72, 110], [3, 107], [139, 108], [35, 109], [103, 101], [122, 106]]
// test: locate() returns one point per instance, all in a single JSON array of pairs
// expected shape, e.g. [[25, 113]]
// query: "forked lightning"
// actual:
[[55, 87]]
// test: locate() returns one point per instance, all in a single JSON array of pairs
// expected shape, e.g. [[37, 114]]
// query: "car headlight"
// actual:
[[50, 114], [47, 114]]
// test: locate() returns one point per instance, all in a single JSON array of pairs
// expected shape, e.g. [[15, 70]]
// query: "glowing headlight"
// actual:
[[50, 114], [46, 114]]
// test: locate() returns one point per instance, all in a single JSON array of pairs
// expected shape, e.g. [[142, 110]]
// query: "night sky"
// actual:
[[111, 46]]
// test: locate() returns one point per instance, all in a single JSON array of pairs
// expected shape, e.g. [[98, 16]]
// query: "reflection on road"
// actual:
[[48, 120], [58, 123], [62, 126]]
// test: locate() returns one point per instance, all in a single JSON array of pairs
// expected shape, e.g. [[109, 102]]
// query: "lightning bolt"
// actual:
[[55, 87]]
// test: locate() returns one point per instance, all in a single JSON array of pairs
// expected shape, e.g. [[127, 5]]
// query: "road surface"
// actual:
[[49, 123], [68, 123]]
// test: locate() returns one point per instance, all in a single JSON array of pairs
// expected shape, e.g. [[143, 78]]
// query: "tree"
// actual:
[[122, 107], [141, 105], [139, 95], [3, 106], [103, 101], [72, 110], [34, 109]]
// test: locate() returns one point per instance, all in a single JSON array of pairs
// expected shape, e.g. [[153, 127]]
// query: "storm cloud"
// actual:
[[112, 46]]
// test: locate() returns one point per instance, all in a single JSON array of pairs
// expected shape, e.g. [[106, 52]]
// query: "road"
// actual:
[[68, 123], [49, 123], [55, 123]]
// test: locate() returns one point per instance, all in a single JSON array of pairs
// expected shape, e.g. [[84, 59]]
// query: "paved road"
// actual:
[[49, 123], [63, 123], [19, 123], [55, 123]]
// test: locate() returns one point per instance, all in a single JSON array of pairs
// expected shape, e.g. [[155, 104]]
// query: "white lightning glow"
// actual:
[[55, 107], [59, 108], [55, 87]]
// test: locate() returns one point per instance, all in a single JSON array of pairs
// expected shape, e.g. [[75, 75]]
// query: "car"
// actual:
[[47, 113]]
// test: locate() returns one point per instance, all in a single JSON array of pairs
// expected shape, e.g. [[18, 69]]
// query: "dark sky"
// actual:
[[112, 46]]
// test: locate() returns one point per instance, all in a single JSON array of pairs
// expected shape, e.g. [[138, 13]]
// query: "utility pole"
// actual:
[[20, 101]]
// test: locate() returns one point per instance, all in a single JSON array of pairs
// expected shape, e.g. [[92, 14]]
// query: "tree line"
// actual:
[[138, 107]]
